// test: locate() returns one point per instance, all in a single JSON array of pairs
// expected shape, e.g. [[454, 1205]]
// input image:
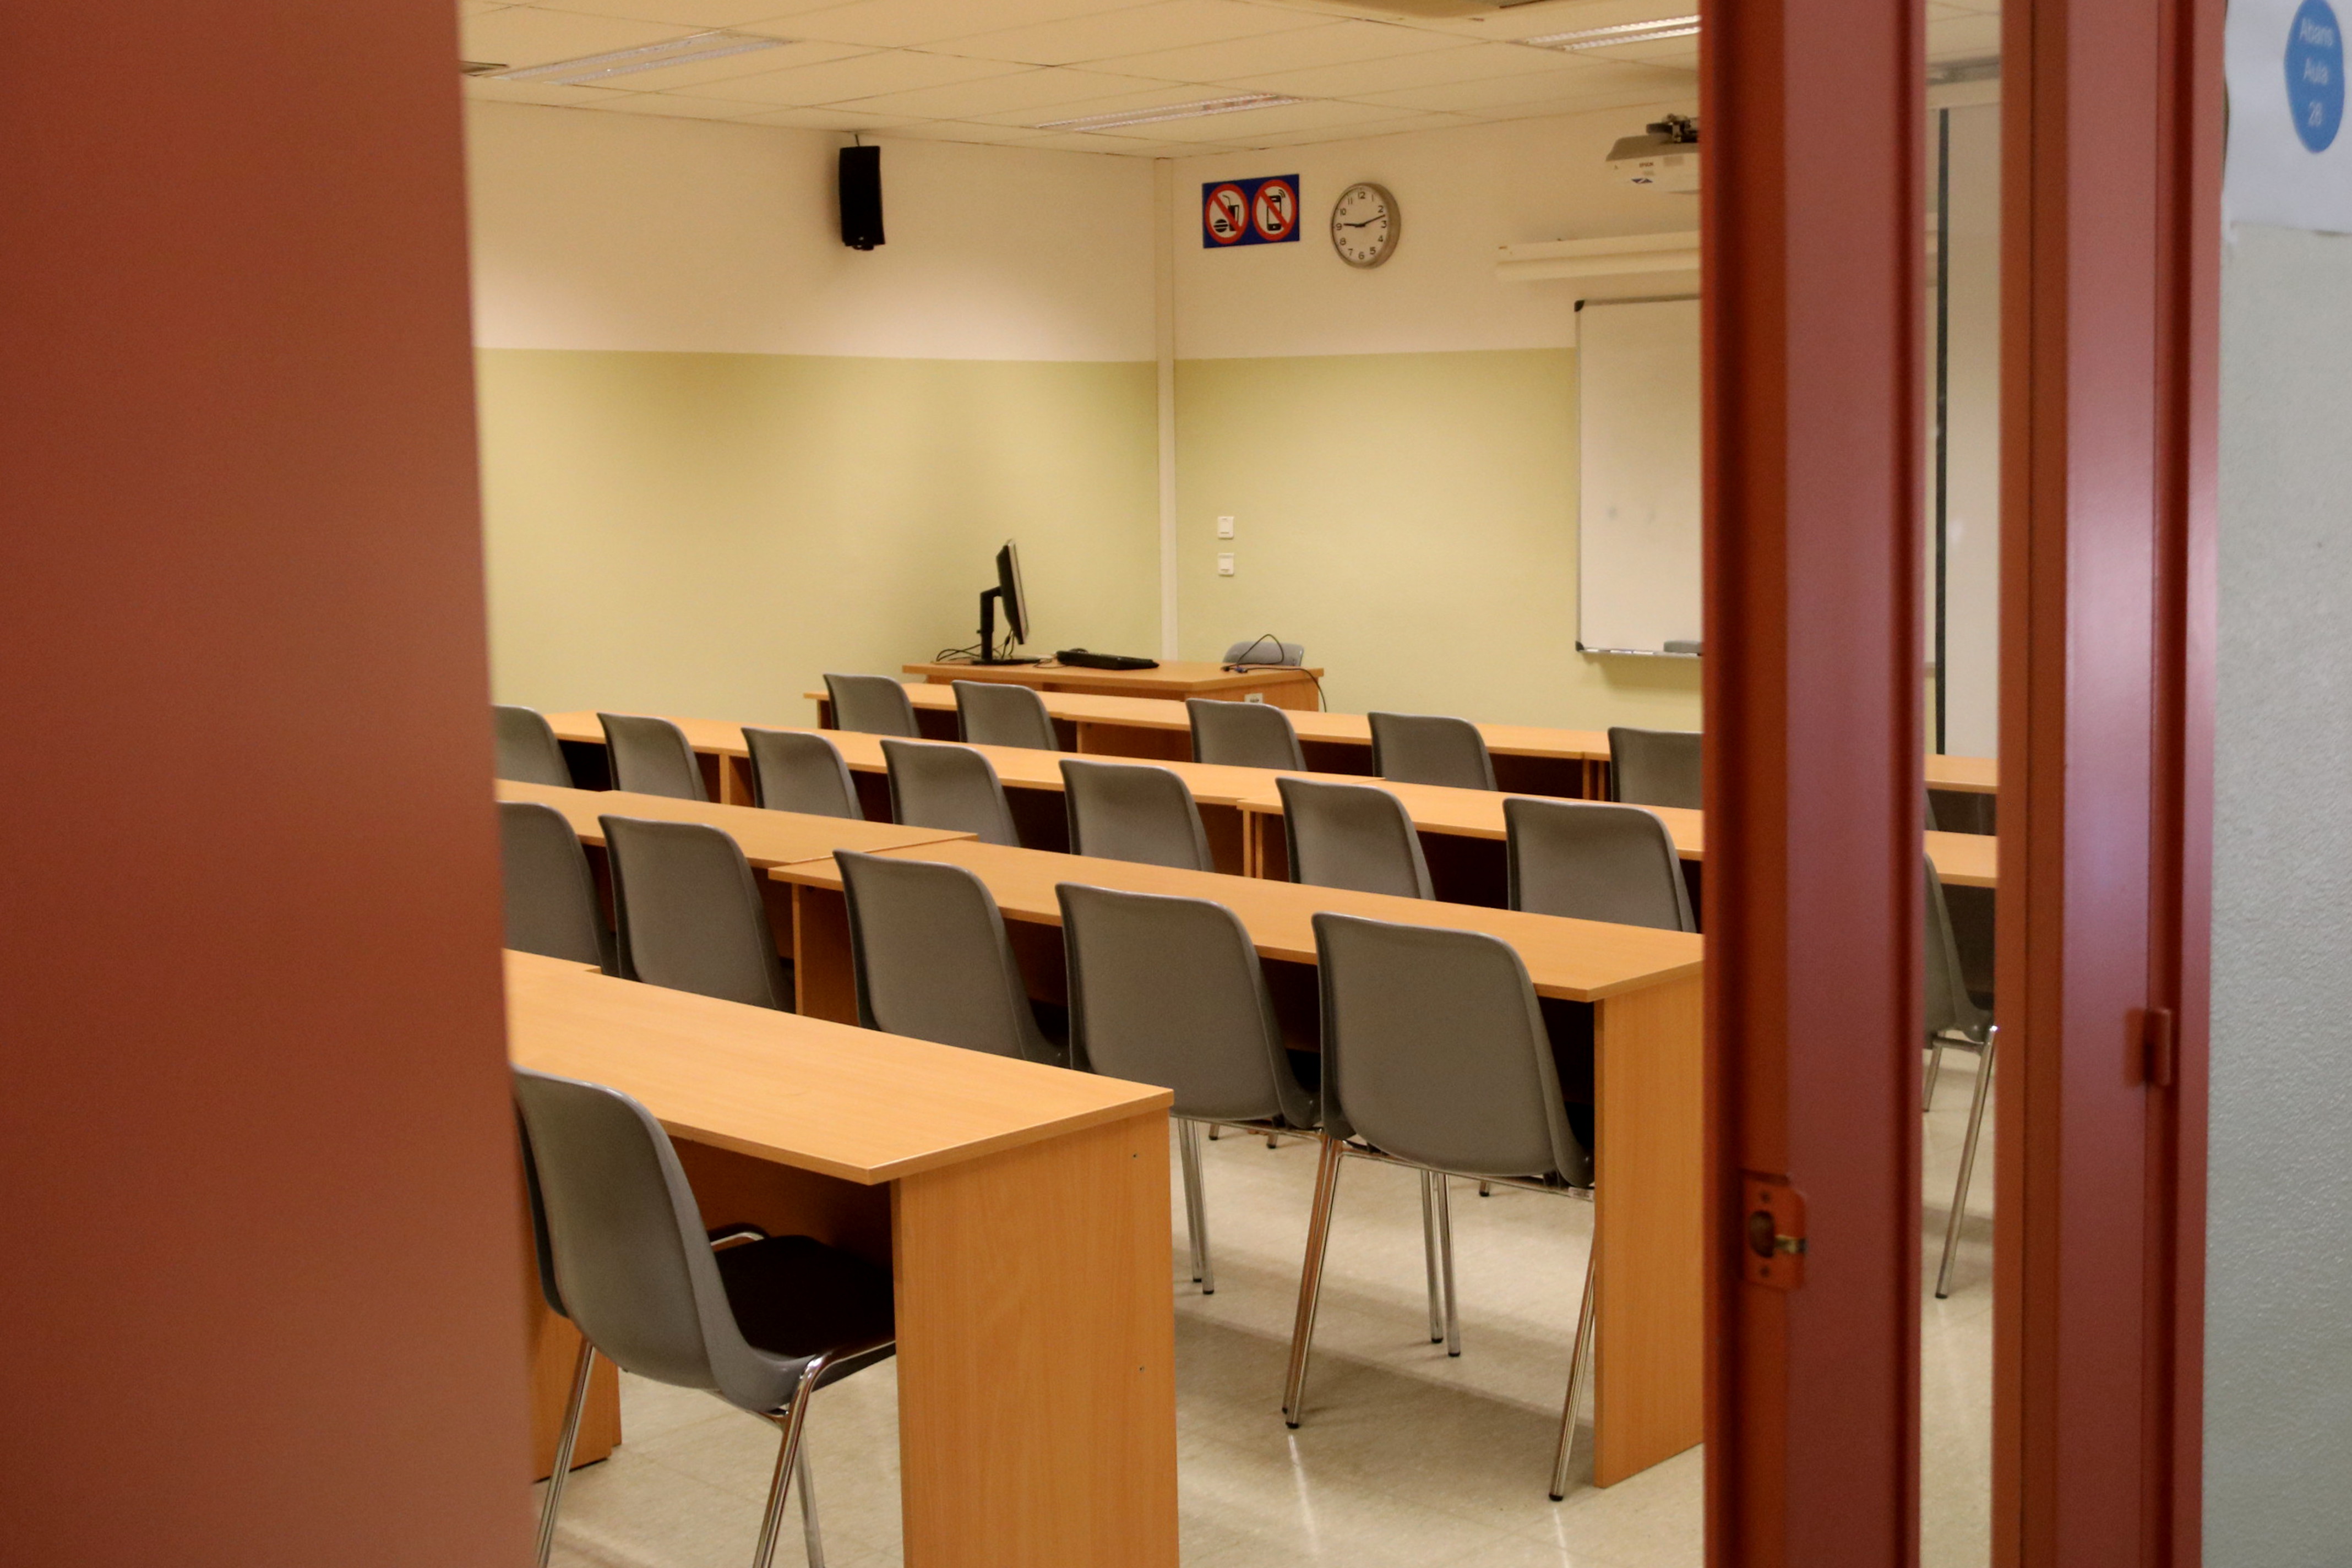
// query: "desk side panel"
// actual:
[[1036, 1355]]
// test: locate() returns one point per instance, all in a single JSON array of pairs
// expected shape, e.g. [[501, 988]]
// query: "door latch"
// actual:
[[1773, 1254], [2158, 1046]]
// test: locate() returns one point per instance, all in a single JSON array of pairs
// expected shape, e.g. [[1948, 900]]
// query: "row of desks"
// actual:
[[1462, 829], [1634, 992]]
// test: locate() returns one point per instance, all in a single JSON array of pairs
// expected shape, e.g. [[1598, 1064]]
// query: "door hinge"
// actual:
[[1774, 1250], [2157, 1043]]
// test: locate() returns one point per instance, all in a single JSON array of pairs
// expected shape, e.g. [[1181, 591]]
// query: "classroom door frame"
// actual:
[[2112, 124]]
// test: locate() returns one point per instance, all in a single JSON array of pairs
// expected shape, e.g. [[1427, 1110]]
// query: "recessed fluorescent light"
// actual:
[[1623, 33], [1170, 112], [645, 58]]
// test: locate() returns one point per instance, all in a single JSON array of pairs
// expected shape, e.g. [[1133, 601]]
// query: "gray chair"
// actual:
[[800, 770], [1435, 1057], [1169, 991], [934, 784], [1244, 735], [1133, 811], [1592, 861], [528, 752], [1954, 1019], [762, 1321], [998, 713], [927, 948], [550, 894], [1266, 650], [1431, 749], [1352, 836], [651, 756], [871, 704], [1655, 768], [690, 913]]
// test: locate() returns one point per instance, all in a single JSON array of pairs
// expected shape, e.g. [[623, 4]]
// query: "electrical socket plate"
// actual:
[[1224, 528], [1225, 564]]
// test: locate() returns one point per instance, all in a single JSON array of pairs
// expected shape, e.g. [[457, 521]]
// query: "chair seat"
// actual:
[[794, 1296]]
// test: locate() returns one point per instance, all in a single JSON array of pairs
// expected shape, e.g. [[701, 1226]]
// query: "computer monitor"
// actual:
[[1008, 593]]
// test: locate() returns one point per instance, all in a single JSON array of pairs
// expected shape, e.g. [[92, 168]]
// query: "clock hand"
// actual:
[[1366, 223]]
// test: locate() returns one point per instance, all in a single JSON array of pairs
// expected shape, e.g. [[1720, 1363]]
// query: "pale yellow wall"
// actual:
[[1411, 518], [708, 533]]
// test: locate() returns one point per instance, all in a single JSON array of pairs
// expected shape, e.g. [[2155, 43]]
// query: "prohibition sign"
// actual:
[[1275, 212], [1223, 214]]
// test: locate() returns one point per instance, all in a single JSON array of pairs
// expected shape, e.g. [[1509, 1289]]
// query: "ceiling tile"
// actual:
[[528, 35], [996, 98], [1166, 23], [758, 62], [898, 24], [1468, 62], [1152, 95], [1570, 86], [700, 14], [829, 120], [1536, 21], [1120, 146], [1333, 43], [858, 76], [1246, 127], [1390, 127], [546, 92], [1964, 37], [677, 106]]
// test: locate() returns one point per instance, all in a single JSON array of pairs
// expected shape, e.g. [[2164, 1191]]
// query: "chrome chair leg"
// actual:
[[788, 1455], [1429, 1256], [812, 1538], [1486, 1189], [564, 1443], [1578, 1356], [1196, 1206], [1445, 1265], [1934, 1065], [1310, 1275], [1968, 1164]]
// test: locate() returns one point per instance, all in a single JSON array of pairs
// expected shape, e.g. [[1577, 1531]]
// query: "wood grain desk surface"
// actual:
[[1962, 859], [1577, 961], [766, 838], [1973, 775], [842, 1101]]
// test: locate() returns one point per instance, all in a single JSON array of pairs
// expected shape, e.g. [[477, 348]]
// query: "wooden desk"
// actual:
[[1023, 1210], [766, 838], [1643, 990], [1174, 679]]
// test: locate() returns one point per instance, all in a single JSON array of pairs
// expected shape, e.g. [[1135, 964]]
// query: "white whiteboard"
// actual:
[[1638, 520]]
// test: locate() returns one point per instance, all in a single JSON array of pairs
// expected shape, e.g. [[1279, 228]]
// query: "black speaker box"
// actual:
[[861, 197]]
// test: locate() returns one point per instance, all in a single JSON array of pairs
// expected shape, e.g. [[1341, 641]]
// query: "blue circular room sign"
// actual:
[[2315, 74]]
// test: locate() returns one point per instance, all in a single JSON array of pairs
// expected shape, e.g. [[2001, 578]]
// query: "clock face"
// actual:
[[1364, 224]]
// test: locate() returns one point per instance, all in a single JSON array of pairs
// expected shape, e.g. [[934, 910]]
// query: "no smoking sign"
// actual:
[[1249, 212]]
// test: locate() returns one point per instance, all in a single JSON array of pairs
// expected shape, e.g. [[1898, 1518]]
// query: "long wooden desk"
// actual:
[[1022, 1210], [1529, 759], [1643, 990], [1173, 679]]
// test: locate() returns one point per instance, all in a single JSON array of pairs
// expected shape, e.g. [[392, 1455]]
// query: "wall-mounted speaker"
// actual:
[[861, 197]]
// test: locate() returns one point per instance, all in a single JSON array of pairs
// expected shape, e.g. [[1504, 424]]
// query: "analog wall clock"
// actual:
[[1364, 225]]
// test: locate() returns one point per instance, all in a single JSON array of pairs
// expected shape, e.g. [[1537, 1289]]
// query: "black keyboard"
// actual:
[[1085, 659]]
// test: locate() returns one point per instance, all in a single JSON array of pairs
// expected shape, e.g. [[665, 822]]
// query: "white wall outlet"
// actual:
[[1225, 564], [1224, 528], [1253, 696]]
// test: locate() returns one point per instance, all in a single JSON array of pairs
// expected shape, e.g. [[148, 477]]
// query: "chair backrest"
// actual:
[[999, 714], [1352, 836], [1434, 1049], [691, 917], [1169, 991], [1655, 768], [1243, 734], [933, 784], [1133, 811], [528, 752], [928, 947], [1266, 650], [871, 704], [651, 756], [1592, 861], [1431, 749], [800, 770], [626, 1243], [551, 893], [1950, 1008]]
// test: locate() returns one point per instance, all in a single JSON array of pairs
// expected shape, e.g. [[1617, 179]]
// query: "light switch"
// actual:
[[1224, 528], [1225, 564]]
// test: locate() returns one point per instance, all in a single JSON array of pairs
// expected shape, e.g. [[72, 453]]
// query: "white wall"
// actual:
[[1972, 585], [2279, 1236], [1464, 193], [599, 230]]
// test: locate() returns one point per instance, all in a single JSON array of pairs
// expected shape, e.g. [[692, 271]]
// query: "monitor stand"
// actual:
[[988, 632]]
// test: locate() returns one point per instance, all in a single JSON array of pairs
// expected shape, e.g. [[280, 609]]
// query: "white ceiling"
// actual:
[[994, 70]]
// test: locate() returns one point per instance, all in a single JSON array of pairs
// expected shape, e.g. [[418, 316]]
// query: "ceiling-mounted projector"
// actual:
[[1663, 158]]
